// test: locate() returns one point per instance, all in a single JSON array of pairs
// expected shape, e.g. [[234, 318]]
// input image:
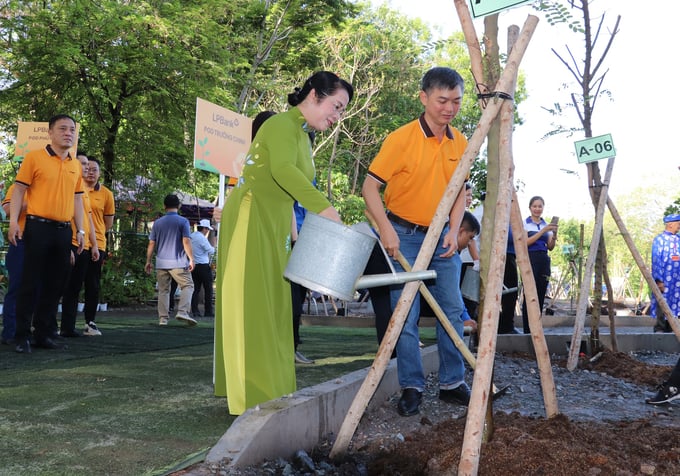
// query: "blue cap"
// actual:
[[670, 218]]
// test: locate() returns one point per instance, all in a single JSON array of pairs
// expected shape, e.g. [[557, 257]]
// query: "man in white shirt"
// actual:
[[202, 273]]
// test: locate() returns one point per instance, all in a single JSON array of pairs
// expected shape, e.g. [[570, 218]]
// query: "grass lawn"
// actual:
[[137, 400]]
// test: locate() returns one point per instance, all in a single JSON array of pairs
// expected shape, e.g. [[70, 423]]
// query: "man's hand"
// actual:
[[148, 267], [14, 233], [81, 242], [390, 240], [450, 244], [471, 323], [94, 251]]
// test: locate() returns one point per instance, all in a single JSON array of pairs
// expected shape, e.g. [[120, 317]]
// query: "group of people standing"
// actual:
[[254, 359], [58, 217]]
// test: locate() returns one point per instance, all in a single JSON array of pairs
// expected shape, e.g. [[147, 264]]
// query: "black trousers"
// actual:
[[380, 295], [93, 277], [202, 276], [509, 301], [674, 379], [540, 265], [69, 301], [47, 251], [297, 295]]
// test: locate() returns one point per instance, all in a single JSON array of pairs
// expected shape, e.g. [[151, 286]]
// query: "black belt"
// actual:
[[400, 221], [58, 224]]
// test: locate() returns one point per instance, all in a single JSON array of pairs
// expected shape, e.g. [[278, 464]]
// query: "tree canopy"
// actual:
[[130, 72]]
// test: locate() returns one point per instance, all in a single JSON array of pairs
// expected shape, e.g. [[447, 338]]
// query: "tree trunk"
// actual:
[[590, 263]]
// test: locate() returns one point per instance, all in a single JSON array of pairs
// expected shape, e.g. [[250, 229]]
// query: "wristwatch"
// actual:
[[81, 232]]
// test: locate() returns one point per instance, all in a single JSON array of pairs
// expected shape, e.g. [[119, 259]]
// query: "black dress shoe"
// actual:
[[409, 402], [71, 333], [459, 395], [23, 346], [45, 343]]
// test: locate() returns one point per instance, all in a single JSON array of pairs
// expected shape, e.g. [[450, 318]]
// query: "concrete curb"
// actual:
[[271, 430]]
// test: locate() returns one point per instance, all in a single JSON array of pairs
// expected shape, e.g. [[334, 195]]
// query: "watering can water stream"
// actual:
[[330, 257]]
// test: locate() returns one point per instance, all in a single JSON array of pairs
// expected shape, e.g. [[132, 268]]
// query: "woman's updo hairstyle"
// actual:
[[324, 83]]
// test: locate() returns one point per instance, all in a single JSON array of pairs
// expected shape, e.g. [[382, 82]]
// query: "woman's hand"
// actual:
[[331, 213]]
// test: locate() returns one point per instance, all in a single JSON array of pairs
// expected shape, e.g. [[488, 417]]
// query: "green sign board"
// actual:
[[595, 148], [481, 8]]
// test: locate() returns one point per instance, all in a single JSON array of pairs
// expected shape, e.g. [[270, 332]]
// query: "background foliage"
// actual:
[[130, 73]]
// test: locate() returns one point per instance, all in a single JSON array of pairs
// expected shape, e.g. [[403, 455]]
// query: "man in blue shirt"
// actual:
[[174, 260], [202, 274]]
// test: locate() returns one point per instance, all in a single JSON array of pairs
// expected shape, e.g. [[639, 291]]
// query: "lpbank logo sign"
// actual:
[[482, 8]]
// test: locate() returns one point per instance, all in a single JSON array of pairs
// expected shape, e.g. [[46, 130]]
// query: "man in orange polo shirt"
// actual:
[[52, 183], [416, 163], [103, 212], [80, 262]]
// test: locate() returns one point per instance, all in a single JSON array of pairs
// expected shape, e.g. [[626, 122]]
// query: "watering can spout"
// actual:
[[374, 280]]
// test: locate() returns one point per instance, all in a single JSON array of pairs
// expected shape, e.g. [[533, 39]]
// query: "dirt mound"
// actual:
[[523, 445]]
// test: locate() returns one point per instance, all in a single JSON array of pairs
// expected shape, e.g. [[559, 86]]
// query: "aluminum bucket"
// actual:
[[469, 288], [329, 257]]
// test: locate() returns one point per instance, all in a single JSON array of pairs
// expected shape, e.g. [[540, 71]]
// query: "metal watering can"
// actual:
[[330, 257]]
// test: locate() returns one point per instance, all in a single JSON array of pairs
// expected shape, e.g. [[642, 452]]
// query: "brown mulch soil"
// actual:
[[604, 428], [524, 445]]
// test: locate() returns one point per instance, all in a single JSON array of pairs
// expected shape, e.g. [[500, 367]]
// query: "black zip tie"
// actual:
[[495, 94]]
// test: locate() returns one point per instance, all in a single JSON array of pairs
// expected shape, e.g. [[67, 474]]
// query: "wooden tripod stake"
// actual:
[[454, 187]]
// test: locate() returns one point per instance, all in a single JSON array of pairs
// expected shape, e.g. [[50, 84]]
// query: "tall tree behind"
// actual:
[[590, 75], [128, 72]]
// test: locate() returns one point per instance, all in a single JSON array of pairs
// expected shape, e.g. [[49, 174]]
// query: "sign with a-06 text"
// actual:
[[481, 8], [595, 148]]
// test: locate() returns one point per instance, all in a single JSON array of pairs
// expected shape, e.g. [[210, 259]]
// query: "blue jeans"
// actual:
[[446, 290]]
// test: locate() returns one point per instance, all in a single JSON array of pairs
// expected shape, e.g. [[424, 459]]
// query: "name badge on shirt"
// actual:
[[675, 257]]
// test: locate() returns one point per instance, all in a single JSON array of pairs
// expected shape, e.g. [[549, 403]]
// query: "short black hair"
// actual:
[[59, 117], [171, 201], [441, 77], [470, 223]]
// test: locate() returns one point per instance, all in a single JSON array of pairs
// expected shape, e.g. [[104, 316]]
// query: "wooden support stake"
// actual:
[[424, 257], [533, 312], [584, 294], [646, 273], [486, 348]]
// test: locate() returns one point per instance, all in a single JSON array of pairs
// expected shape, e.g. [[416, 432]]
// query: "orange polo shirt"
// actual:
[[103, 205], [52, 184], [417, 168]]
